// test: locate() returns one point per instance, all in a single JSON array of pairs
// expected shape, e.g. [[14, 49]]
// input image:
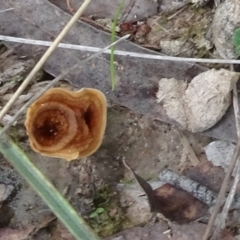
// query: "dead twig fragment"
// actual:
[[44, 57], [70, 7], [194, 188], [191, 154], [6, 10]]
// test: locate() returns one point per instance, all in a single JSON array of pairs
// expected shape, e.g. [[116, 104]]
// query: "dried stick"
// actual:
[[55, 80], [196, 189], [6, 10], [190, 153], [119, 52], [227, 177], [44, 58]]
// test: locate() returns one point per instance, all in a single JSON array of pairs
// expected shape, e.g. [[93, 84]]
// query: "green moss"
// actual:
[[14, 134], [108, 217], [19, 139]]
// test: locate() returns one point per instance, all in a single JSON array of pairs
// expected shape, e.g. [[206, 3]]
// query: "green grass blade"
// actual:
[[113, 33], [236, 40], [55, 201]]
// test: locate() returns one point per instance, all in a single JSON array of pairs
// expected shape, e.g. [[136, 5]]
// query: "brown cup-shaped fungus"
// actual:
[[67, 124]]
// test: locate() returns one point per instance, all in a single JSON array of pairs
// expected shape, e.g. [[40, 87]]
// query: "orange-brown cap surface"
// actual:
[[67, 124]]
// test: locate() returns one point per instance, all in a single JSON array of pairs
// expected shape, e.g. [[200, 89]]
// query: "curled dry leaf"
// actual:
[[174, 203], [202, 103], [67, 124], [178, 205], [226, 21]]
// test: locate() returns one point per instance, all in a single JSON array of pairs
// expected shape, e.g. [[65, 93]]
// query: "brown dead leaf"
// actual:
[[211, 177], [15, 234], [207, 175], [174, 203], [178, 205]]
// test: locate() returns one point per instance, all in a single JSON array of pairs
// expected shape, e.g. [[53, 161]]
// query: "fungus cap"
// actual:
[[67, 124]]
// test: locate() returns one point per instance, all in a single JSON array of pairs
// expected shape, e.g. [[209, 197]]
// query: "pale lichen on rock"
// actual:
[[226, 21]]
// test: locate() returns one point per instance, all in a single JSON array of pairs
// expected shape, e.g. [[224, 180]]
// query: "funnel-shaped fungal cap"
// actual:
[[67, 124]]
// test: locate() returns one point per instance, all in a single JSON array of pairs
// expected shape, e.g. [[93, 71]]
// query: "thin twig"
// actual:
[[191, 154], [55, 80], [222, 192], [119, 52], [194, 188], [177, 12], [6, 10], [44, 58]]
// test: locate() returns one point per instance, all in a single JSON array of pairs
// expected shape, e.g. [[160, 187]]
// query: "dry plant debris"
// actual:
[[199, 105], [67, 124]]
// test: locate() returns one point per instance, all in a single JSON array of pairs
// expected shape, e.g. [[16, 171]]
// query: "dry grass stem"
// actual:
[[6, 10], [119, 52], [44, 58], [55, 80]]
